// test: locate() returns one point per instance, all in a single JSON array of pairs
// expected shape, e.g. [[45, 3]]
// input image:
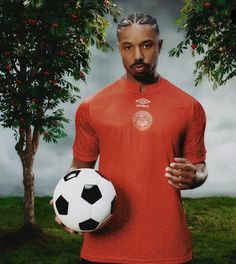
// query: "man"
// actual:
[[150, 138]]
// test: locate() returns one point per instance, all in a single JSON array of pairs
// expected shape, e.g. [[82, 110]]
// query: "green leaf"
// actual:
[[206, 24]]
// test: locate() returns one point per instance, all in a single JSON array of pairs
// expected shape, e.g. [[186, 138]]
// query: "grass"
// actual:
[[58, 247], [212, 222]]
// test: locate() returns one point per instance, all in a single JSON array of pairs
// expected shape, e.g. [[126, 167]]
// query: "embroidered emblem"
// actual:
[[142, 120], [143, 102]]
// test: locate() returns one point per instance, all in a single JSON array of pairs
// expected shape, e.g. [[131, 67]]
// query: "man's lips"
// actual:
[[139, 67]]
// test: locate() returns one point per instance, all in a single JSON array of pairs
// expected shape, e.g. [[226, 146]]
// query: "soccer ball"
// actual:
[[83, 200]]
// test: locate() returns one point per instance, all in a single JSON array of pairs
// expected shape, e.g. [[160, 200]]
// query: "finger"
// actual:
[[174, 172], [178, 179], [174, 179], [182, 160], [58, 221], [51, 202], [178, 186], [68, 230], [181, 166]]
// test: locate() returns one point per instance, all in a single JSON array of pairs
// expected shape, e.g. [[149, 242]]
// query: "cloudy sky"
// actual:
[[52, 161]]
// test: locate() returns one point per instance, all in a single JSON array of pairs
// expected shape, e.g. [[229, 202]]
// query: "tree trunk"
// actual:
[[28, 181], [26, 148]]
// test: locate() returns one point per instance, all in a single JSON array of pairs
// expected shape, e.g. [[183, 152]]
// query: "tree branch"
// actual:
[[35, 140], [28, 139], [20, 144]]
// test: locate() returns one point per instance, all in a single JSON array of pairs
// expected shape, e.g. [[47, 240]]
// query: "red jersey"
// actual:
[[137, 134]]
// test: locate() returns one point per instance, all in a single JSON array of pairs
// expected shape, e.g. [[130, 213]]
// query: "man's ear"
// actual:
[[160, 42]]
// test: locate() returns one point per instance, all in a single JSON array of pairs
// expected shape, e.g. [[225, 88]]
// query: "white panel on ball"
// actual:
[[89, 176], [70, 189], [100, 210], [76, 216], [107, 189]]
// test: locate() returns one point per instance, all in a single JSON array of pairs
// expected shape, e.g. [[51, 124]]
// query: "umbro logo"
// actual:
[[143, 102]]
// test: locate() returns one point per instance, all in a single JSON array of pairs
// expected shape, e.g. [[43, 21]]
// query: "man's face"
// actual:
[[139, 47]]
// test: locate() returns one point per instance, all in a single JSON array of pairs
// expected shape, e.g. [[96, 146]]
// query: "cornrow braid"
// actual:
[[140, 19]]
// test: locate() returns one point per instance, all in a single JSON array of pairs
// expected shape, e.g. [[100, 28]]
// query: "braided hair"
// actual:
[[140, 19]]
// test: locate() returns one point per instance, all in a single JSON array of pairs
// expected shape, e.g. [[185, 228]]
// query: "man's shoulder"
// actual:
[[177, 92], [103, 93]]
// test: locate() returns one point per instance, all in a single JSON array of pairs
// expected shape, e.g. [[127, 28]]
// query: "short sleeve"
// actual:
[[86, 146], [194, 145]]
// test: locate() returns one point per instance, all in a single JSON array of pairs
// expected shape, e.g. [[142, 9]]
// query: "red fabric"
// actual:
[[137, 135]]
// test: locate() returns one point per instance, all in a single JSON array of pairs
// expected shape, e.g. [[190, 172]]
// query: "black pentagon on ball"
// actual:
[[62, 205], [91, 193], [113, 205], [89, 224], [71, 175]]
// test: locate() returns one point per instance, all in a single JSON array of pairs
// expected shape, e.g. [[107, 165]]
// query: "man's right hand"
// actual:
[[67, 229], [76, 164]]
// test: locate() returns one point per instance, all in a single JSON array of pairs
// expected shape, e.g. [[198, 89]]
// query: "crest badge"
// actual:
[[142, 120]]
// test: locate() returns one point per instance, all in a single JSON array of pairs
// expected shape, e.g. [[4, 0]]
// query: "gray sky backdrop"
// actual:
[[52, 161]]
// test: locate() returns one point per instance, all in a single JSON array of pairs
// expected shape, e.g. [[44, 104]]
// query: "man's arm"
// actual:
[[183, 175], [79, 164]]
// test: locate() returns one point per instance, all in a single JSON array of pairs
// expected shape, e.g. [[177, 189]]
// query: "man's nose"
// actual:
[[138, 55]]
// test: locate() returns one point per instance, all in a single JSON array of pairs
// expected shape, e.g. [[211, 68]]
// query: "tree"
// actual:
[[41, 42], [210, 27]]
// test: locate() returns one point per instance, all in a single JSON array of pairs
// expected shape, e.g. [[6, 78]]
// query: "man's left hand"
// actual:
[[182, 174]]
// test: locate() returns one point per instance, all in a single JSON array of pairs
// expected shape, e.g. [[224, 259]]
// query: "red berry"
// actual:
[[32, 21], [18, 81], [207, 4], [62, 53], [46, 73], [8, 67], [74, 17], [33, 73], [193, 46], [106, 2], [7, 53], [81, 74], [55, 25], [53, 82]]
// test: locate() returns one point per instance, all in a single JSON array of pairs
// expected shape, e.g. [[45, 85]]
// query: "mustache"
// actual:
[[139, 62]]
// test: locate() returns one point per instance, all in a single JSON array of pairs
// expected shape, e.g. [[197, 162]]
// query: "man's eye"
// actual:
[[127, 47], [147, 46]]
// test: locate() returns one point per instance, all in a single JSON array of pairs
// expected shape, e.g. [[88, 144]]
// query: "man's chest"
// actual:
[[139, 115]]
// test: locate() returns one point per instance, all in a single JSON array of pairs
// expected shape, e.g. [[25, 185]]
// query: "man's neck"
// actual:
[[141, 84]]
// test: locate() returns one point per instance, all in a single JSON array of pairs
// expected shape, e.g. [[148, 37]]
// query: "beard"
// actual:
[[148, 76]]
